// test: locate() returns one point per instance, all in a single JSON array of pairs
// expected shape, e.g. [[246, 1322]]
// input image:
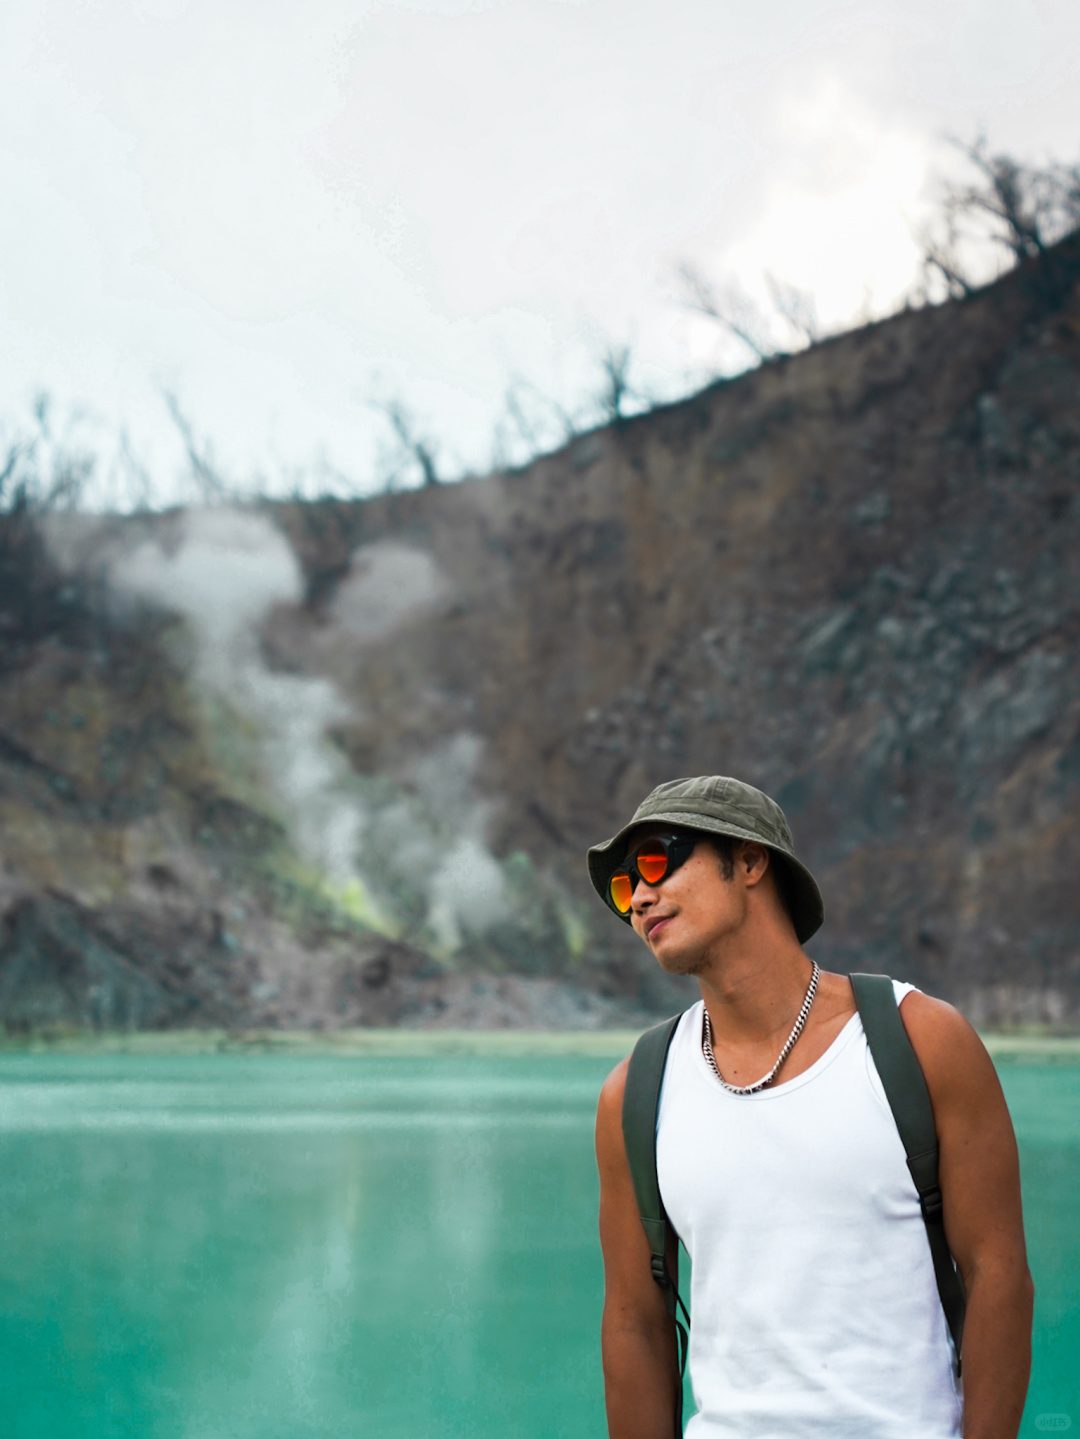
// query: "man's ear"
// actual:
[[753, 860]]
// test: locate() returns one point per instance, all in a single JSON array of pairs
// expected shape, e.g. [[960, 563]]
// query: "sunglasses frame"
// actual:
[[677, 846]]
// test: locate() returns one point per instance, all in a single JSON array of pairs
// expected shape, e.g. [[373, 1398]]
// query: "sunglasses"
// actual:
[[653, 860]]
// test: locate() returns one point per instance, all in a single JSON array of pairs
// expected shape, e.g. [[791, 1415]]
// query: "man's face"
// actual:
[[683, 917]]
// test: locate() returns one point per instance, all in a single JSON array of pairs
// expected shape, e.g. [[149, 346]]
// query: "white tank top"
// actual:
[[814, 1306]]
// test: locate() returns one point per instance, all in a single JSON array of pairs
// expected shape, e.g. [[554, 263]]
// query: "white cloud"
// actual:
[[267, 206], [840, 221]]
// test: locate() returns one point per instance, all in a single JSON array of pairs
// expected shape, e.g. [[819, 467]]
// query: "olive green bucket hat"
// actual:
[[716, 804]]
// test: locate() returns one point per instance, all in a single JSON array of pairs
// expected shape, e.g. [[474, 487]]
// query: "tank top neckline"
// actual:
[[694, 1016]]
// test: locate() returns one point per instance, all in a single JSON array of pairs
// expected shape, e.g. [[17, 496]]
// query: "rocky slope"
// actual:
[[338, 763]]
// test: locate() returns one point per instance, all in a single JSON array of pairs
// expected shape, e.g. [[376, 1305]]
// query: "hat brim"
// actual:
[[803, 896]]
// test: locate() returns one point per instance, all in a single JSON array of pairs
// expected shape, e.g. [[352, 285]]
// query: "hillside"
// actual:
[[338, 763]]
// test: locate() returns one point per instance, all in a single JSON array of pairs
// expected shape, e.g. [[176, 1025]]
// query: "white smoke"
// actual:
[[226, 575], [386, 584], [467, 891], [229, 569], [228, 572]]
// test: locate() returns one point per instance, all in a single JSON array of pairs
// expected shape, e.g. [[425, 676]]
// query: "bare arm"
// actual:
[[638, 1338], [980, 1186]]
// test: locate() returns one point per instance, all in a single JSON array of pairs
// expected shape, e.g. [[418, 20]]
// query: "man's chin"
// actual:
[[673, 959]]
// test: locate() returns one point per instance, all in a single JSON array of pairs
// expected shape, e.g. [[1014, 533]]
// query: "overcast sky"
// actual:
[[281, 211]]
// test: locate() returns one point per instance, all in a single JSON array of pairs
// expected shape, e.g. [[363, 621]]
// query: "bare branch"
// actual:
[[42, 409], [939, 258], [730, 307], [70, 475], [10, 467], [797, 307], [43, 472], [1020, 209], [533, 423], [140, 485], [615, 388], [412, 448], [212, 488], [524, 423]]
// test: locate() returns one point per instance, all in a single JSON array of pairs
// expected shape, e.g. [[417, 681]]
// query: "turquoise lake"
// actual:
[[264, 1247]]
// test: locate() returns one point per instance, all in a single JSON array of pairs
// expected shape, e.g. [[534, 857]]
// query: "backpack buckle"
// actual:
[[930, 1203], [659, 1271]]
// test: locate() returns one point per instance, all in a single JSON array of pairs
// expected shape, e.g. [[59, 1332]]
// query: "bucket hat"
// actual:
[[717, 804]]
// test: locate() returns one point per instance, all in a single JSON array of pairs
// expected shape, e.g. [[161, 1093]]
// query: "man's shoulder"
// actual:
[[933, 1024], [953, 1057]]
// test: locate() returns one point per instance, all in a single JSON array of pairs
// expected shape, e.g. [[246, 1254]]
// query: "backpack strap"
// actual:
[[641, 1104], [909, 1099]]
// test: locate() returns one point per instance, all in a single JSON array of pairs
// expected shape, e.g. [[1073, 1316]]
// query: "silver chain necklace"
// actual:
[[792, 1039]]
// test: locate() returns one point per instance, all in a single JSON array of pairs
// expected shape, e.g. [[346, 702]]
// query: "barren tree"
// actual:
[[1021, 210], [209, 484], [615, 389], [41, 470], [412, 449], [732, 308], [797, 308], [531, 424]]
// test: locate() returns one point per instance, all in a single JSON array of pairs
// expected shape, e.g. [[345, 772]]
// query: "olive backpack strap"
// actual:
[[641, 1104], [909, 1099]]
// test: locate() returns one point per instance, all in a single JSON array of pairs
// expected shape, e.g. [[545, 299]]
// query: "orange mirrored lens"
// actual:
[[622, 891], [651, 863]]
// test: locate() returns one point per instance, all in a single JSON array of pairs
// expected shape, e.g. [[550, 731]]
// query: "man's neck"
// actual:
[[754, 987]]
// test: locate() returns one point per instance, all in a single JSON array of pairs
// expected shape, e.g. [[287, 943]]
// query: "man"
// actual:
[[814, 1303]]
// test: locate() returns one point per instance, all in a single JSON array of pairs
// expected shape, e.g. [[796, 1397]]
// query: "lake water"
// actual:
[[260, 1247]]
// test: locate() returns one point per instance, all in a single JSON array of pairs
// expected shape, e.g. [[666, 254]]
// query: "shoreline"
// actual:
[[346, 1043], [1016, 1047]]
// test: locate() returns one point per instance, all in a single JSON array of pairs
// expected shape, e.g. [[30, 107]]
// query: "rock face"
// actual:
[[850, 577]]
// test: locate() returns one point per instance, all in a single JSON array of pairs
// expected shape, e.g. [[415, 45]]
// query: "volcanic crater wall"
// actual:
[[849, 577]]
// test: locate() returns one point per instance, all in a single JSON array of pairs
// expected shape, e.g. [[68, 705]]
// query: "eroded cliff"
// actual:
[[339, 763]]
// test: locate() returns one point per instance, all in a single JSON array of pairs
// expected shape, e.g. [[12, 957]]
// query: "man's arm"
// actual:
[[980, 1187], [641, 1372]]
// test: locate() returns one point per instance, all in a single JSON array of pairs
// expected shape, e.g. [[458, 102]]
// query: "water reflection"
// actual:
[[235, 1246]]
